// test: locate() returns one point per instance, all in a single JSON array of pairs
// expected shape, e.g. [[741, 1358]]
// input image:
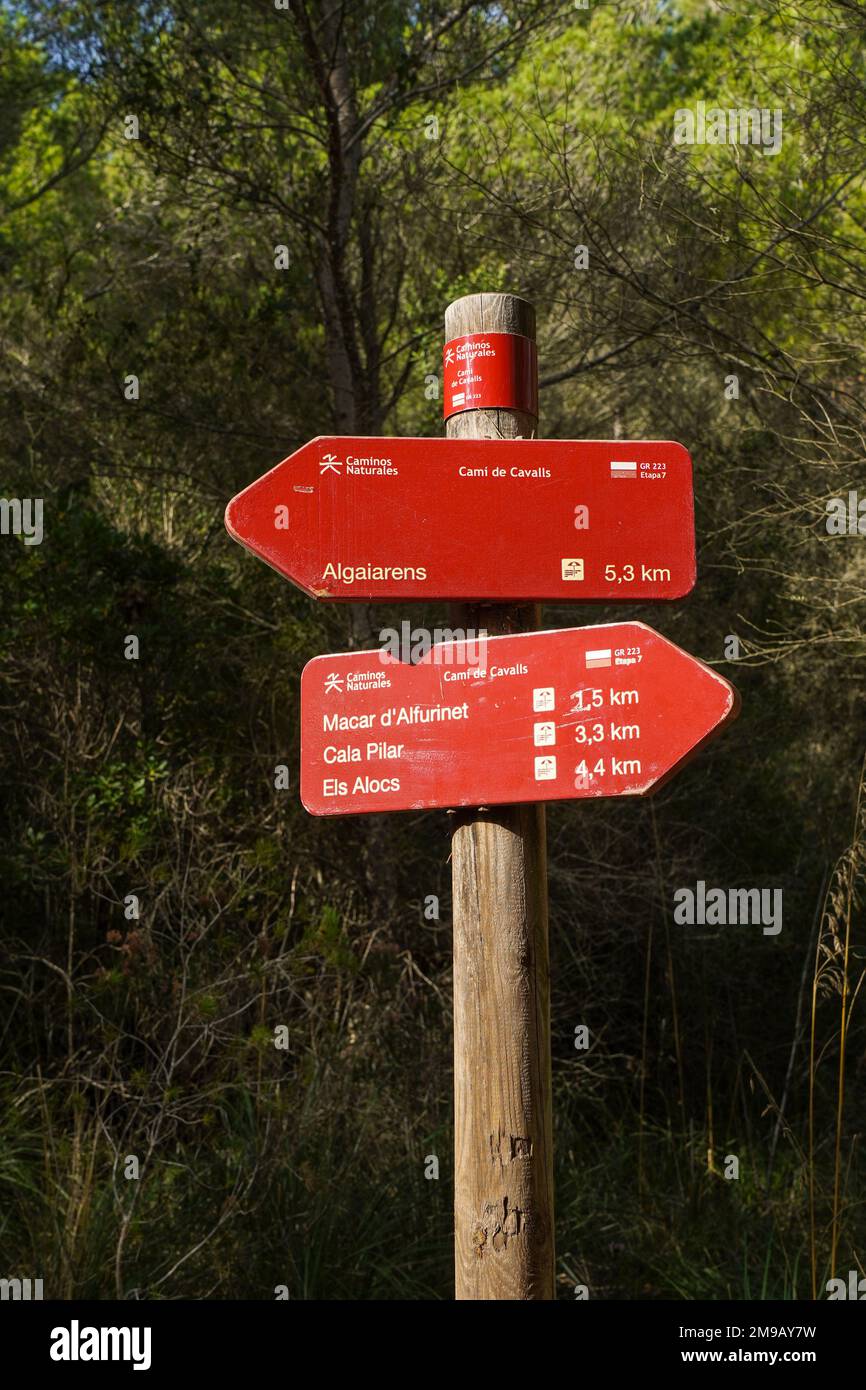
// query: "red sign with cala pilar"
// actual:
[[538, 716]]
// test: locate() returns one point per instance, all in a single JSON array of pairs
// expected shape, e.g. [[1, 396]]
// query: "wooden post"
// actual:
[[503, 1167]]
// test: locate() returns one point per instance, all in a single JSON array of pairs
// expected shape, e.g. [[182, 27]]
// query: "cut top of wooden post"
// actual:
[[495, 313]]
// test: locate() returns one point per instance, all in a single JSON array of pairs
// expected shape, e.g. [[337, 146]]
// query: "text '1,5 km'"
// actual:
[[541, 716], [378, 518]]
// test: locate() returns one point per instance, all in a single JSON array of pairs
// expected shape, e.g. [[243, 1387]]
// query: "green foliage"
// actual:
[[153, 778]]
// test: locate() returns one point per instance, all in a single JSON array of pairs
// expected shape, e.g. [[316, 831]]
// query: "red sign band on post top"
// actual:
[[536, 716], [485, 371]]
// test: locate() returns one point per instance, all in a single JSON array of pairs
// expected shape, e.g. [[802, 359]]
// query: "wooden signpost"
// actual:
[[503, 1109], [493, 727]]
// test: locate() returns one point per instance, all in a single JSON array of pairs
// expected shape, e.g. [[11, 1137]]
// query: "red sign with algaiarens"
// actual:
[[568, 519]]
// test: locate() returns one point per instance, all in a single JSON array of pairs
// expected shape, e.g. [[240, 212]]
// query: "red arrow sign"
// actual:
[[348, 518], [539, 716]]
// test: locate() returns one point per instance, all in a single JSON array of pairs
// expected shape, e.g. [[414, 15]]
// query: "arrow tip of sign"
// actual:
[[228, 518], [736, 701]]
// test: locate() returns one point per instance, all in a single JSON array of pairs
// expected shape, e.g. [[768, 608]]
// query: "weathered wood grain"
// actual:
[[503, 1172]]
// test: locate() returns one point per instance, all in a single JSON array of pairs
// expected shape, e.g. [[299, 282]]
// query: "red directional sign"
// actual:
[[558, 519], [538, 716]]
